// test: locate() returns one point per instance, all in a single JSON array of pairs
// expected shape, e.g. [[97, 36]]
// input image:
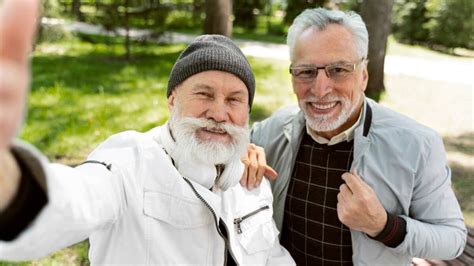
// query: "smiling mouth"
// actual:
[[215, 131], [323, 106], [213, 134]]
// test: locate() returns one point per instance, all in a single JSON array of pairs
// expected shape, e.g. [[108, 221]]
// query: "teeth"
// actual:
[[324, 106], [216, 130]]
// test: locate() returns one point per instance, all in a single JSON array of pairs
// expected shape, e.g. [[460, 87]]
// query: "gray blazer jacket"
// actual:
[[402, 160]]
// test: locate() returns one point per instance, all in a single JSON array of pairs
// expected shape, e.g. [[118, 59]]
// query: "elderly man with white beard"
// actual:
[[167, 196]]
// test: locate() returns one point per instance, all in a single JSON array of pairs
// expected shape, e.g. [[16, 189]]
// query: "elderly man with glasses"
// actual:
[[358, 183]]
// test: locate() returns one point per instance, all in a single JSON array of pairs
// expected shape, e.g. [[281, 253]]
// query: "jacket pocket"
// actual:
[[177, 212], [256, 230]]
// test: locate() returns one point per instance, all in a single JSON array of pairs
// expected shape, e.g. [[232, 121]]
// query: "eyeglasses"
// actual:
[[336, 72]]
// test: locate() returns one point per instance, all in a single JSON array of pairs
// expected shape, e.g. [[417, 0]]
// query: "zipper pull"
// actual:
[[237, 222]]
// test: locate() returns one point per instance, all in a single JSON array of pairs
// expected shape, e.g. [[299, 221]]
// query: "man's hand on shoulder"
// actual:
[[255, 167]]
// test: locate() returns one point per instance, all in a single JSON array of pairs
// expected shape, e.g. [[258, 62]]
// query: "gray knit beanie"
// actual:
[[212, 52]]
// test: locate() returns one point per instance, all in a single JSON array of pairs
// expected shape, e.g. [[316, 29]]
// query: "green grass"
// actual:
[[88, 92]]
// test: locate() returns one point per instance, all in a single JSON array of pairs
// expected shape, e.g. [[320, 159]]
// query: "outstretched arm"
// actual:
[[16, 40]]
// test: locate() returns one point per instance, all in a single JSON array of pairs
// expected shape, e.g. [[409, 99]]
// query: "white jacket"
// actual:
[[143, 211]]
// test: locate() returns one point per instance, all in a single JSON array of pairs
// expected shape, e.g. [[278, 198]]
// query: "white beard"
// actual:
[[208, 152], [324, 123]]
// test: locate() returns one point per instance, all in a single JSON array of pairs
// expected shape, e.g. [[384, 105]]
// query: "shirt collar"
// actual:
[[346, 135]]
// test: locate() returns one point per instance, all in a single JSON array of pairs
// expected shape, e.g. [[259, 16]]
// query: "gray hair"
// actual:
[[321, 18]]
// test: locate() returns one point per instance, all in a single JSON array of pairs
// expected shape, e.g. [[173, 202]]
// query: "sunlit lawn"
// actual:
[[82, 93]]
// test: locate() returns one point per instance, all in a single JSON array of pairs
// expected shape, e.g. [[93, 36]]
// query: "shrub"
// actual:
[[436, 23]]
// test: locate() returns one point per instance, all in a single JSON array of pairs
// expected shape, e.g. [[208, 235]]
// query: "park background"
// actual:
[[101, 66]]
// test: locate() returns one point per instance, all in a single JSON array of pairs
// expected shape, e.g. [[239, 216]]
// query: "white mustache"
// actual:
[[211, 125]]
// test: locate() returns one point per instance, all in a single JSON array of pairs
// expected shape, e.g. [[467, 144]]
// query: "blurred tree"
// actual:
[[119, 16], [451, 23], [76, 10], [436, 23], [409, 16], [295, 7], [218, 17], [198, 9], [50, 8], [354, 5], [377, 16], [47, 32], [246, 12]]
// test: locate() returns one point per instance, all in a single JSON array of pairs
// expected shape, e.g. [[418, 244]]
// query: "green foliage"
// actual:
[[437, 23], [181, 19], [51, 8], [246, 12], [409, 16], [278, 29], [83, 93], [295, 7], [354, 5], [451, 23], [267, 29], [134, 14], [53, 33]]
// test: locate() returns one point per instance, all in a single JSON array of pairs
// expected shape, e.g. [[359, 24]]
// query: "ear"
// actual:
[[171, 100], [365, 77]]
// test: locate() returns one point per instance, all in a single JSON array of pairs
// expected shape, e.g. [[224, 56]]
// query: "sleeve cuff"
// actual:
[[394, 231], [25, 206]]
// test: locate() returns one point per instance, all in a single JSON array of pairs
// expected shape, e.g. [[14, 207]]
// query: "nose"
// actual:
[[218, 111], [322, 85]]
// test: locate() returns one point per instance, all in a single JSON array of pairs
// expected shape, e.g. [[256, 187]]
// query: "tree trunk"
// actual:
[[218, 17], [76, 10], [377, 16], [127, 31]]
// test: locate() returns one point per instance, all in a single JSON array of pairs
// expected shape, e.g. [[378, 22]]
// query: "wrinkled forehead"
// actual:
[[331, 44]]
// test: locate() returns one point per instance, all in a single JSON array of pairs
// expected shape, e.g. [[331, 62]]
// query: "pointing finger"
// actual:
[[270, 173]]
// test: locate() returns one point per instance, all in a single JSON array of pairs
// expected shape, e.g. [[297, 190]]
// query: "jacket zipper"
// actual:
[[239, 220], [216, 222]]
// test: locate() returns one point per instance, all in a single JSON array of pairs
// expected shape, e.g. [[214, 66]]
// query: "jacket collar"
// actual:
[[362, 134]]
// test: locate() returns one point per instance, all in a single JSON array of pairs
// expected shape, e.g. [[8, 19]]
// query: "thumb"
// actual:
[[18, 34]]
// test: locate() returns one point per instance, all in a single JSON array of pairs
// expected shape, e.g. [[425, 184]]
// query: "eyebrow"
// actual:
[[330, 64], [238, 93], [201, 86]]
